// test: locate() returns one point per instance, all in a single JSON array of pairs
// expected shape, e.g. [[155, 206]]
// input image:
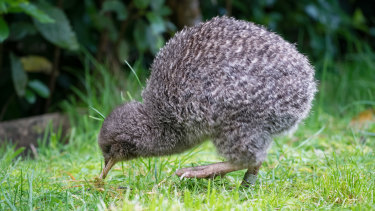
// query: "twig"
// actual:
[[34, 151]]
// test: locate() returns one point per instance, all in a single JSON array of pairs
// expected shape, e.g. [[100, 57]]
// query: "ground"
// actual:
[[321, 166]]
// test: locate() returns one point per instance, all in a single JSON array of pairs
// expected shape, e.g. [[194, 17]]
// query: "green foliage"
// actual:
[[134, 31], [115, 6], [19, 76], [19, 30], [41, 89], [23, 87], [59, 32], [19, 6], [4, 30], [332, 28], [114, 31], [142, 4]]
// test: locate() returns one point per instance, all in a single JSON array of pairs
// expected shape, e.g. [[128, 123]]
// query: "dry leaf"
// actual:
[[363, 119], [36, 64]]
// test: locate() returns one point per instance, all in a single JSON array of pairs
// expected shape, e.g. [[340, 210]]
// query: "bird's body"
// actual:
[[228, 80]]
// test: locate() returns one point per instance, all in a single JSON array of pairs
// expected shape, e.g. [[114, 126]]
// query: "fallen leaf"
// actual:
[[363, 119]]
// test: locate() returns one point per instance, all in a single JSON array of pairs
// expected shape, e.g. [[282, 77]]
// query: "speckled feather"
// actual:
[[228, 80]]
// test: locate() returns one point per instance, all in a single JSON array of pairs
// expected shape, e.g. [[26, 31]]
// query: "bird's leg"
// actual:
[[251, 176], [208, 171]]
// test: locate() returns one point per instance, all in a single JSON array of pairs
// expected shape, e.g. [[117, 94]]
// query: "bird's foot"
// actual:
[[196, 172], [250, 177], [208, 171], [249, 180]]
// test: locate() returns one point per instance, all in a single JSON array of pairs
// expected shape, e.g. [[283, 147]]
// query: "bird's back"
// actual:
[[231, 71]]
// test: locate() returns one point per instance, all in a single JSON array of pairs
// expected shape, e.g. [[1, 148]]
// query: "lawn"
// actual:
[[329, 163]]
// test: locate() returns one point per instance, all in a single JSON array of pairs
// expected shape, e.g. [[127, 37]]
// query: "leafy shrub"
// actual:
[[112, 30], [47, 42]]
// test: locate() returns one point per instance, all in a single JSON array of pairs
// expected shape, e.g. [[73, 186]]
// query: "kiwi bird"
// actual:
[[230, 81]]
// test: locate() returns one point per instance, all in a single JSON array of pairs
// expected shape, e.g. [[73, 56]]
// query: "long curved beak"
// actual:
[[107, 167]]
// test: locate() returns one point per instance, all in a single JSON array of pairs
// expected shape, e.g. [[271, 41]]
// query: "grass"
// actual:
[[326, 164]]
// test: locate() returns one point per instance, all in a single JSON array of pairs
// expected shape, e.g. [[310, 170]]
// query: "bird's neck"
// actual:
[[159, 137]]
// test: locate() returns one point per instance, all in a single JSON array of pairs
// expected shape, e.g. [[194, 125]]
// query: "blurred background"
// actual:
[[61, 55]]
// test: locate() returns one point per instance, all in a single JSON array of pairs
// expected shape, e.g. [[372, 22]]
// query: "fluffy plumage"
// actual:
[[228, 80]]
